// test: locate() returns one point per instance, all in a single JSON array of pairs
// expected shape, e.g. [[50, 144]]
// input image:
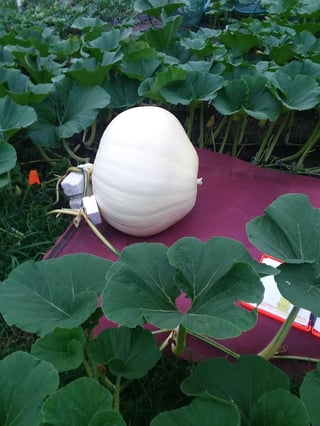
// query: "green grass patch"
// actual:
[[26, 229]]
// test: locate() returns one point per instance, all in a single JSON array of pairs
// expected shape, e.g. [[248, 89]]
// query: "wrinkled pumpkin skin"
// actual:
[[145, 171]]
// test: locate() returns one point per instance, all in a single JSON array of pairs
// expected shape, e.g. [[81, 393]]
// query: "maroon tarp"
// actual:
[[233, 193]]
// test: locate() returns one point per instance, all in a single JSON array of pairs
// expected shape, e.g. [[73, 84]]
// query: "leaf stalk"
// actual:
[[272, 347]]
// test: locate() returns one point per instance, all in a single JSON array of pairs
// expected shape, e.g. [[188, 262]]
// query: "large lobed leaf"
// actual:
[[63, 348], [299, 92], [310, 394], [140, 61], [249, 94], [197, 86], [259, 390], [300, 284], [204, 412], [128, 352], [8, 159], [90, 71], [20, 88], [123, 91], [14, 117], [289, 231], [63, 292], [67, 111], [144, 284], [84, 402], [25, 382]]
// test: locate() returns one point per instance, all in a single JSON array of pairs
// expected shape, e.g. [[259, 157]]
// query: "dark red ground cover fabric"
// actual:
[[233, 193]]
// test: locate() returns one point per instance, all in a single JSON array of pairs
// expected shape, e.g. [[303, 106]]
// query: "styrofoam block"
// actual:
[[73, 184], [75, 202], [91, 208]]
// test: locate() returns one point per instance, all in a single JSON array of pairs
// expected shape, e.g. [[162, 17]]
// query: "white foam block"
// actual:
[[73, 184], [75, 202], [91, 208]]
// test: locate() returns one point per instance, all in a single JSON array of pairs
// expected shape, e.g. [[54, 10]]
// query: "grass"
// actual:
[[26, 230]]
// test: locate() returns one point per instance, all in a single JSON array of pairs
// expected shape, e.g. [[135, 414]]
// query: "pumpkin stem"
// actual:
[[200, 181]]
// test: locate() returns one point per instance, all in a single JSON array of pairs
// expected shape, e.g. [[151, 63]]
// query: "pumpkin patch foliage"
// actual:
[[74, 74], [228, 75], [139, 292]]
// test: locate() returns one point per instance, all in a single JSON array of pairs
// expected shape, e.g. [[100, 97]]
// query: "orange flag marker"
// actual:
[[33, 178]]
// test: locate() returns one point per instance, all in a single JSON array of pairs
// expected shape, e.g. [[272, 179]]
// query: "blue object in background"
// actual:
[[252, 8], [192, 13]]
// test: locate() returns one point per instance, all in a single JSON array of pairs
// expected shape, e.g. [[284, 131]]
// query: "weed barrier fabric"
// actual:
[[233, 193]]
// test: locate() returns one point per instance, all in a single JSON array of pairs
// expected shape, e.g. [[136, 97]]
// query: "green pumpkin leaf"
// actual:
[[82, 23], [164, 39], [41, 69], [288, 230], [109, 40], [238, 383], [180, 255], [123, 91], [310, 394], [231, 97], [142, 271], [81, 400], [282, 53], [300, 285], [153, 86], [25, 382], [197, 86], [89, 72], [204, 412], [44, 132], [63, 348], [106, 417], [143, 286], [68, 111], [66, 48], [80, 106], [200, 42], [305, 67], [239, 38], [140, 61], [309, 6], [63, 292], [6, 58], [279, 408], [14, 117], [20, 88], [306, 44], [128, 352], [8, 157], [299, 92], [261, 104]]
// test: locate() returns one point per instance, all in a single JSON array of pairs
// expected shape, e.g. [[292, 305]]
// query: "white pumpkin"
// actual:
[[145, 171]]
